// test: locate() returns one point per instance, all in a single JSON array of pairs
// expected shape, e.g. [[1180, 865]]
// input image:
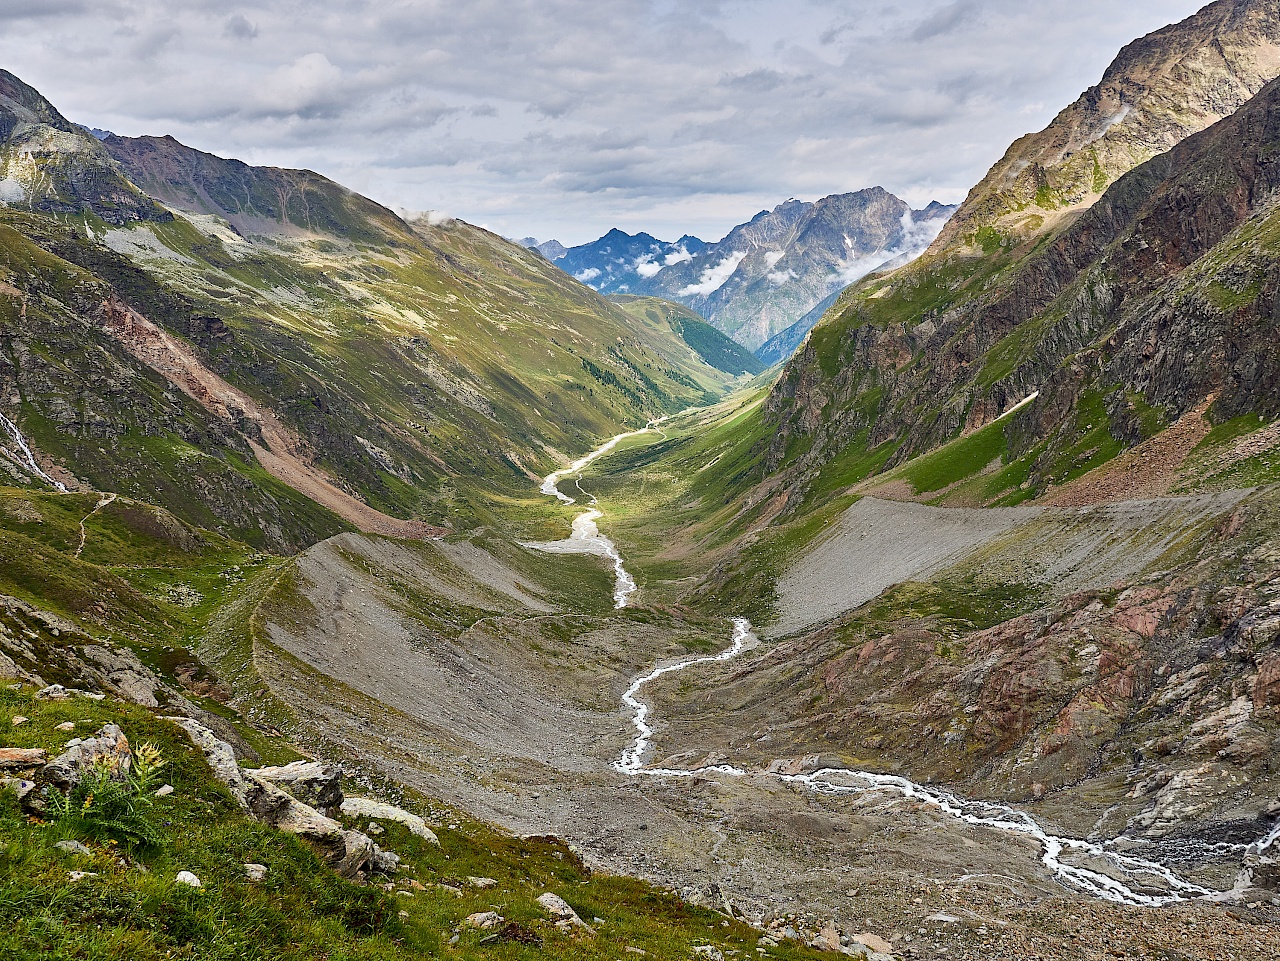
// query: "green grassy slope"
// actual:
[[717, 350], [433, 369]]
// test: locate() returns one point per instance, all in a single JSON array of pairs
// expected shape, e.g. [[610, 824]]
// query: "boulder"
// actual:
[[828, 939], [875, 944], [219, 755], [109, 747], [561, 912], [384, 862], [349, 853], [255, 872], [19, 786], [356, 807], [483, 920], [73, 847], [312, 782], [189, 879]]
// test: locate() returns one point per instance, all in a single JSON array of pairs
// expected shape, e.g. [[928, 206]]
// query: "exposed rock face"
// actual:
[[1125, 303], [312, 782], [54, 166], [1158, 91]]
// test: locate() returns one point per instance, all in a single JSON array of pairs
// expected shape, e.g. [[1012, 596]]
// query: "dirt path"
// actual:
[[84, 534], [284, 456]]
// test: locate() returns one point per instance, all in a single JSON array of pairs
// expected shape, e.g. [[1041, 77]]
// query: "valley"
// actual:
[[881, 580]]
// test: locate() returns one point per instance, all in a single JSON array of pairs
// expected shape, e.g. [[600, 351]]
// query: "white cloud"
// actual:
[[713, 278], [916, 238], [646, 267], [677, 256], [559, 118], [773, 256], [588, 275], [780, 277]]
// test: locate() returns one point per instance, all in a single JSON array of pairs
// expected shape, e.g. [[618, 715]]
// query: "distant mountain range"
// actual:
[[761, 284]]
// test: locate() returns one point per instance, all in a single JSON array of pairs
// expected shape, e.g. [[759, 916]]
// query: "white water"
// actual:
[[1108, 874], [586, 537], [27, 456]]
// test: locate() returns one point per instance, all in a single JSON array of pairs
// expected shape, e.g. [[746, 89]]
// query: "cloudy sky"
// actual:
[[563, 118]]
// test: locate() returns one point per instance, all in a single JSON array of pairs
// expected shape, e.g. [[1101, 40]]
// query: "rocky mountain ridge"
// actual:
[[768, 274], [1158, 90], [1145, 305]]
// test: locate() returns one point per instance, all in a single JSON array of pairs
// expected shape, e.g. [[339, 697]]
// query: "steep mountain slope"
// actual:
[[713, 347], [279, 321], [1123, 318], [619, 263], [1159, 90]]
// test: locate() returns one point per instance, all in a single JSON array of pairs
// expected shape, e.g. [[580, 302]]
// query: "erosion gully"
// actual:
[[1094, 868]]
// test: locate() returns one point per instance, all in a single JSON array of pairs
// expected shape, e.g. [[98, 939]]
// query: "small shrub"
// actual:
[[114, 802]]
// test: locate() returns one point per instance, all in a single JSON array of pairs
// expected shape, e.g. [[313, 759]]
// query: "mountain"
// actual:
[[713, 347], [619, 263], [53, 166], [768, 274], [1159, 89], [551, 249], [1001, 309], [329, 364]]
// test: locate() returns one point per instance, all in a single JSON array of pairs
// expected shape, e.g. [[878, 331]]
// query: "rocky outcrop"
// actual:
[[1125, 305], [351, 854], [358, 807], [312, 782], [109, 748]]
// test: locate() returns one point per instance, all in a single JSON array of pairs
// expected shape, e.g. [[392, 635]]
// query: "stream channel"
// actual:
[[1094, 868]]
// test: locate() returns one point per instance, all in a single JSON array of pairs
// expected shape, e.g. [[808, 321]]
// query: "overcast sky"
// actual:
[[563, 118]]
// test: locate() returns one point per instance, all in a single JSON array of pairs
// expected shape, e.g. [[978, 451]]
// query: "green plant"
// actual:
[[113, 800]]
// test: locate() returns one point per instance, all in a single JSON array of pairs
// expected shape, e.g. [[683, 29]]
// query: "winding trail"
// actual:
[[1094, 869], [103, 501]]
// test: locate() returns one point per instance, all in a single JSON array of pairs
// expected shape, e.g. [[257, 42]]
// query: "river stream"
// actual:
[[1091, 867]]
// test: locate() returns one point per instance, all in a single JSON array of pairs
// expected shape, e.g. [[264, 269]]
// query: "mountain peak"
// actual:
[[1157, 91]]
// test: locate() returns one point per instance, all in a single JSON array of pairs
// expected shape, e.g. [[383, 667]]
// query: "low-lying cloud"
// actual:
[[713, 277]]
